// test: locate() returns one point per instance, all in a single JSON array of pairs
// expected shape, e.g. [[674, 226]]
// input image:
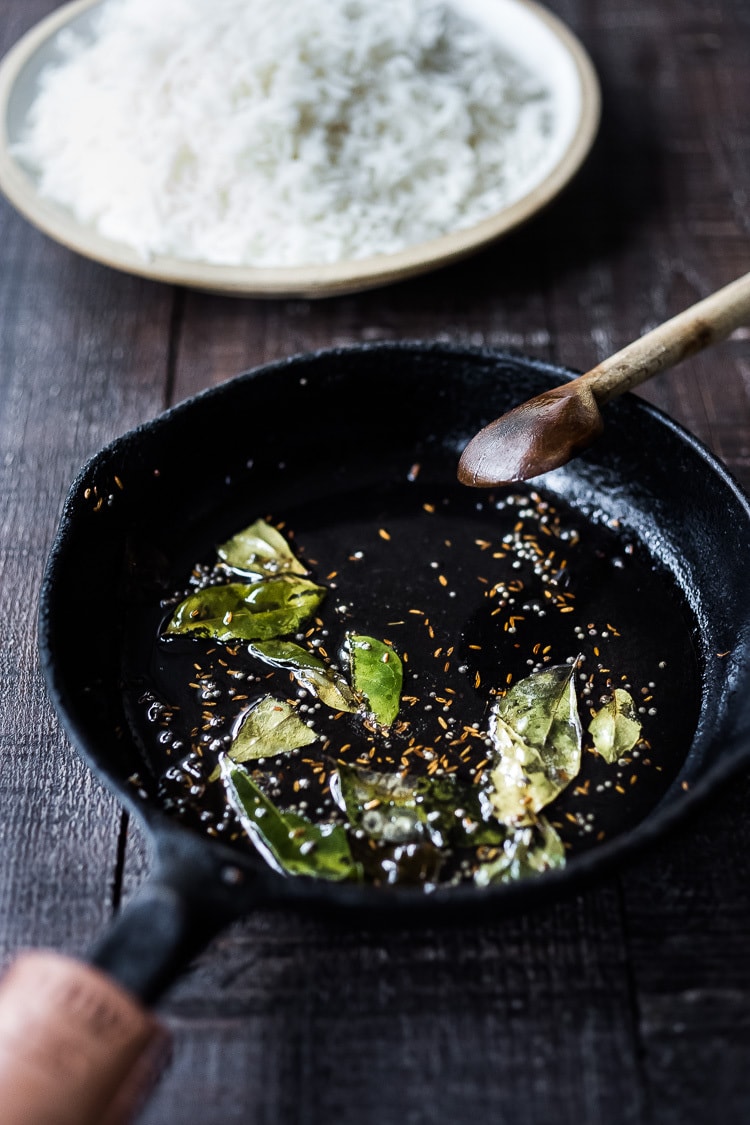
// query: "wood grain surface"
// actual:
[[629, 1003]]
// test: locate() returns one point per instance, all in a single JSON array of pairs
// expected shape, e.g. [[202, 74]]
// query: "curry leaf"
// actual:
[[536, 733], [616, 728], [260, 549], [393, 809], [383, 805], [542, 709], [256, 611], [271, 727], [291, 844], [457, 813], [530, 850], [310, 671], [377, 674], [519, 783]]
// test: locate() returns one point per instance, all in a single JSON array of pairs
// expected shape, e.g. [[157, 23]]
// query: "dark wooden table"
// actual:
[[627, 1003]]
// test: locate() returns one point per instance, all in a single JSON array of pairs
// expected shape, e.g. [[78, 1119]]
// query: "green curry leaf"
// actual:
[[519, 783], [271, 727], [248, 612], [377, 674], [530, 850], [310, 671], [542, 709], [260, 549], [291, 844], [393, 809], [615, 728], [457, 813], [536, 733], [383, 805]]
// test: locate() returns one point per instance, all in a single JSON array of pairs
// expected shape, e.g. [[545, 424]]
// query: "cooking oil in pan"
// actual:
[[474, 596]]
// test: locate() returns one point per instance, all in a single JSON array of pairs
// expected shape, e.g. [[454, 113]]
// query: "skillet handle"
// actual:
[[75, 1047], [78, 1044], [163, 927]]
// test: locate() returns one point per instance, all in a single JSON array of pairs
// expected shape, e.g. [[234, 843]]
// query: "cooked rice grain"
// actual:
[[269, 133]]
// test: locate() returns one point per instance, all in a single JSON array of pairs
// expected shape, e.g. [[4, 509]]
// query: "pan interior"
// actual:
[[353, 453], [433, 571]]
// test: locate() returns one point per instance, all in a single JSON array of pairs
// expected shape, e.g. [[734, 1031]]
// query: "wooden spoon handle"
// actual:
[[703, 324], [75, 1047]]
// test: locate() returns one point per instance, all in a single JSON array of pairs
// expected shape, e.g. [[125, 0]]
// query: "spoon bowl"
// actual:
[[546, 431], [533, 438]]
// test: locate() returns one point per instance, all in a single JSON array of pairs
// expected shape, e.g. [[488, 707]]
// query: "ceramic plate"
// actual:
[[532, 33]]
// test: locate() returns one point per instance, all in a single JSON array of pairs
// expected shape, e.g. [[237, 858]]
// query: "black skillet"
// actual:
[[333, 440]]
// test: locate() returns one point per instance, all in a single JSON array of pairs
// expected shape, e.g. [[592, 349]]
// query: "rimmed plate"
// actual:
[[533, 34]]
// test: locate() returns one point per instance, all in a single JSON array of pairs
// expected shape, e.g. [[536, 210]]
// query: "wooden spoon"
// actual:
[[546, 431]]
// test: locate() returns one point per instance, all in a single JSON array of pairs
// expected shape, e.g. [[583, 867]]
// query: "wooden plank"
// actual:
[[82, 357], [688, 927], [289, 1018]]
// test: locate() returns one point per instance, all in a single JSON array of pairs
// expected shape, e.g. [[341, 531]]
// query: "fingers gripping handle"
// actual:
[[75, 1047]]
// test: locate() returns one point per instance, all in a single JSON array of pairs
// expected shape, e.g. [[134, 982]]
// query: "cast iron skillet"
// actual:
[[317, 430]]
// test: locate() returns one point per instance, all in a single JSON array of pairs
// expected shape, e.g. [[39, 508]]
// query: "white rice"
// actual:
[[282, 132]]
